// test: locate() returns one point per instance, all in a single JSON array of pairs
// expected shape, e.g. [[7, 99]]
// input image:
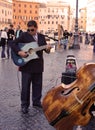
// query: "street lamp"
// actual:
[[76, 35]]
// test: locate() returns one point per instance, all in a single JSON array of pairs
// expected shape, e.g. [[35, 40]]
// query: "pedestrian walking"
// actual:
[[33, 70], [0, 34], [18, 31], [4, 38], [11, 36], [93, 43], [65, 37], [87, 39]]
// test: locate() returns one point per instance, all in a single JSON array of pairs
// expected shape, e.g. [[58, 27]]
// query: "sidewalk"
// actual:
[[10, 115]]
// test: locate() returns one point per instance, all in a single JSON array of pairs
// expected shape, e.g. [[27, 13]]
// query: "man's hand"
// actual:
[[22, 54], [48, 47]]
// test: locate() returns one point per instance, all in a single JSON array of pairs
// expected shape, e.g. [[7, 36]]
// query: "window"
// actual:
[[14, 23], [5, 20], [56, 22], [24, 11], [48, 22], [25, 6], [36, 6], [19, 5], [48, 16], [2, 11], [48, 9], [53, 10], [5, 13], [14, 17], [30, 6], [36, 12]]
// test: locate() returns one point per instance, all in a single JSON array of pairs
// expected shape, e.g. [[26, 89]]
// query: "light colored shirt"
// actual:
[[35, 37], [17, 35], [4, 35]]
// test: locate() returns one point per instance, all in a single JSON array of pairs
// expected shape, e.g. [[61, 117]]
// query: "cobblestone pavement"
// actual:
[[10, 116]]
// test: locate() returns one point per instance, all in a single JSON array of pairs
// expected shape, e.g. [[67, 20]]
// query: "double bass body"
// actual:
[[68, 105]]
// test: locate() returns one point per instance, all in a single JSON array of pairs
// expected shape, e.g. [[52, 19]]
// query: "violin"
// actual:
[[68, 105]]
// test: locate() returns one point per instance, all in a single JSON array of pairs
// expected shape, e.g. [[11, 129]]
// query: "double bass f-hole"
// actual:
[[67, 92]]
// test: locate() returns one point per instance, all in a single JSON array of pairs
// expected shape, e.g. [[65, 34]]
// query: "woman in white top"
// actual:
[[4, 38]]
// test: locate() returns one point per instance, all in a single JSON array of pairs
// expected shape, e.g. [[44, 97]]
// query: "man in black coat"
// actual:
[[65, 36], [11, 33], [33, 70], [11, 36], [18, 31]]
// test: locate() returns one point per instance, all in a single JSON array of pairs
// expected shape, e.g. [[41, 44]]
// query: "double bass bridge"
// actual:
[[78, 100]]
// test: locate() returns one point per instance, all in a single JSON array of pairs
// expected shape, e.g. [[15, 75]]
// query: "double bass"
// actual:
[[68, 105]]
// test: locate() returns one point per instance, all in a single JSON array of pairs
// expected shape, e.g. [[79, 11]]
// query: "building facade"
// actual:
[[82, 19], [23, 11], [53, 14], [5, 13], [90, 27], [48, 15]]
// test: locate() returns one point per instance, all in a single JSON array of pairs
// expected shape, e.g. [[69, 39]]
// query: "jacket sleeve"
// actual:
[[45, 43], [14, 44]]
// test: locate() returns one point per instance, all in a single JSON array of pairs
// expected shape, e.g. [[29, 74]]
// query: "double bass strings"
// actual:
[[83, 100]]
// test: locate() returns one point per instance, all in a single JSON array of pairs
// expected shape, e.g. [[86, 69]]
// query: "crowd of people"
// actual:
[[67, 39], [7, 35]]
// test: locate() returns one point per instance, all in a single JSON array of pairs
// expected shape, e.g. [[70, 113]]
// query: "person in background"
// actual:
[[11, 36], [87, 39], [18, 31], [4, 38], [94, 43], [65, 37], [31, 72], [0, 34]]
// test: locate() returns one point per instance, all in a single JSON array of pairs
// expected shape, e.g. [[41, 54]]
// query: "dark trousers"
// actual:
[[5, 47], [36, 80], [8, 51], [3, 52], [94, 47], [3, 43]]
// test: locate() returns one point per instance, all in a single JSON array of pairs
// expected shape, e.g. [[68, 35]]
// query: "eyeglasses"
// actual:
[[30, 30]]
